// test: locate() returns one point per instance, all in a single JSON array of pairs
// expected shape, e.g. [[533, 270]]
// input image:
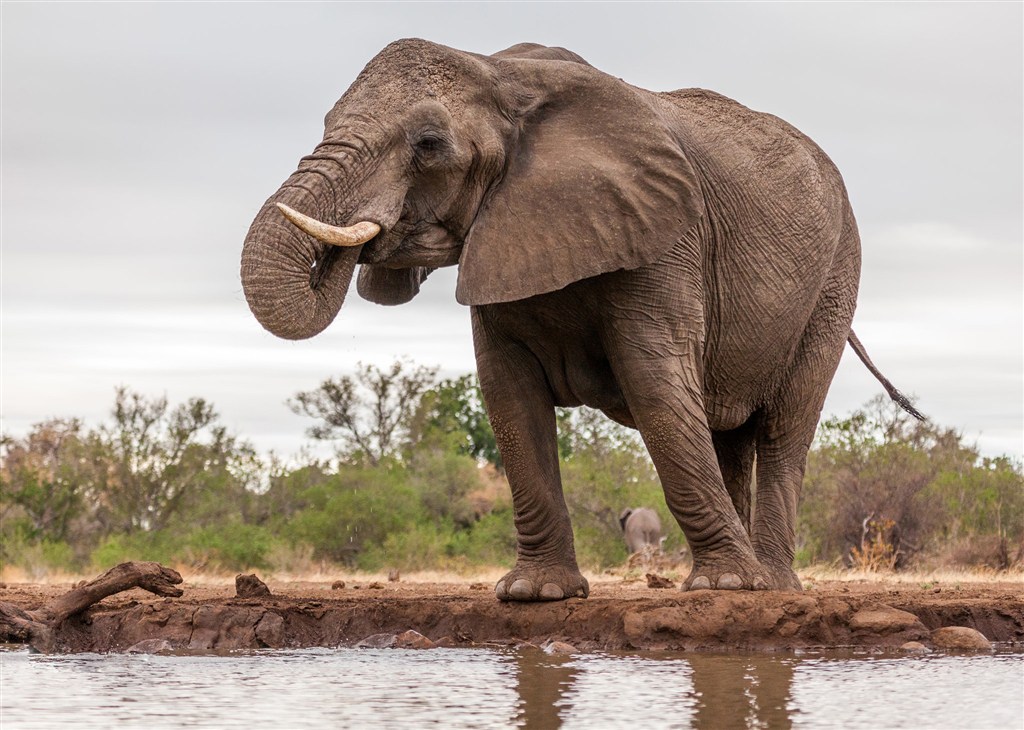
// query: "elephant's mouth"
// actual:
[[413, 243]]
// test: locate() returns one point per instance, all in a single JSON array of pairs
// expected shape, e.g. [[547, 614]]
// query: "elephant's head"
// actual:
[[530, 169]]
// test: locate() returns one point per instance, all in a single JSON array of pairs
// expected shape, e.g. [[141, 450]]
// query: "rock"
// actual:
[[337, 585], [250, 586], [478, 586], [960, 638], [657, 581], [445, 642], [270, 630], [413, 640], [394, 576], [150, 646], [787, 628], [559, 647], [378, 641], [882, 619], [915, 647], [376, 586]]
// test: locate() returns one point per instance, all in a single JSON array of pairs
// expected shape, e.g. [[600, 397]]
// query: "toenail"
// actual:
[[500, 591], [521, 590], [700, 583], [729, 582], [760, 584], [551, 592]]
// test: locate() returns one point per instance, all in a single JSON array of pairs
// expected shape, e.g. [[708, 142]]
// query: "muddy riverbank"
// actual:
[[618, 615]]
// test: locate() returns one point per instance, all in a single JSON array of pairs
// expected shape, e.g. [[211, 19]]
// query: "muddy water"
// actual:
[[464, 688]]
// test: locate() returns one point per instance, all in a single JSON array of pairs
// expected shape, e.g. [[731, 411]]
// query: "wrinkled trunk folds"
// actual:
[[294, 284]]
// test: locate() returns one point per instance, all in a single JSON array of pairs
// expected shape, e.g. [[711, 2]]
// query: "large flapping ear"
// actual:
[[596, 182], [390, 286]]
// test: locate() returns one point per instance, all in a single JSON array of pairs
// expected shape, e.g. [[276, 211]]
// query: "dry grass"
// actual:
[[915, 576], [327, 574]]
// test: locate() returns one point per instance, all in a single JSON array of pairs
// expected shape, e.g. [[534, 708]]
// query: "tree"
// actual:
[[153, 463], [454, 411], [39, 476], [367, 413], [880, 480]]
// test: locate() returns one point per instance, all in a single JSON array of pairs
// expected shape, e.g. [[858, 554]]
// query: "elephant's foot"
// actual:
[[783, 577], [535, 582], [727, 574]]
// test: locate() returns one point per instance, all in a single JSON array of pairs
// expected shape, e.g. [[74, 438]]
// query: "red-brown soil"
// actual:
[[618, 615]]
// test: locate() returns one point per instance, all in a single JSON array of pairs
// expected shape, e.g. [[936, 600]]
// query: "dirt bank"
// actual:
[[618, 615]]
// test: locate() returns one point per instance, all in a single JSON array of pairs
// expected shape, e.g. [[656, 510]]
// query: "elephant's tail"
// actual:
[[901, 400]]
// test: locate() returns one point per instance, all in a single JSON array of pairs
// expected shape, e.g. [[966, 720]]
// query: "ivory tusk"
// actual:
[[355, 235]]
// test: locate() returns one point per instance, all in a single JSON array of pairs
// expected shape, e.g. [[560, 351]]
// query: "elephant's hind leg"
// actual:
[[735, 451], [790, 420]]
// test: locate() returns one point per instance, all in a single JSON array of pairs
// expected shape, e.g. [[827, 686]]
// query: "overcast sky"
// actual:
[[139, 141]]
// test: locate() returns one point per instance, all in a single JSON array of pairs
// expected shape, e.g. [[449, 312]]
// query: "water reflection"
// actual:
[[460, 688], [542, 682], [742, 691], [705, 692]]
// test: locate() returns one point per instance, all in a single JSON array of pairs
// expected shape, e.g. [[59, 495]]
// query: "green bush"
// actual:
[[355, 509], [233, 547], [490, 541], [443, 480], [419, 547], [37, 557], [160, 547]]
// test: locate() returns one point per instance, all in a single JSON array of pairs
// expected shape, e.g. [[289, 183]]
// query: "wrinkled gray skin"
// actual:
[[681, 262], [641, 527]]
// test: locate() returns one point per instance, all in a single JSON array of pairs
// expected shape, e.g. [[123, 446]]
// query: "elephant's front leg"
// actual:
[[660, 380], [521, 410]]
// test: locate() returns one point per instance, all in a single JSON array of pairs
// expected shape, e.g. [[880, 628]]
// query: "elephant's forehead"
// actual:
[[410, 70]]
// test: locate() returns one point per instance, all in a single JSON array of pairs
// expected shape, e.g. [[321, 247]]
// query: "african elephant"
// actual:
[[641, 528], [682, 263]]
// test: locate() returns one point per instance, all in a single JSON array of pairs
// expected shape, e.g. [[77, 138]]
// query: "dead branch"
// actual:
[[39, 627]]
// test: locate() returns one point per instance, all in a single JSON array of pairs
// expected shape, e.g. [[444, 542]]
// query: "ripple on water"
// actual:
[[468, 688]]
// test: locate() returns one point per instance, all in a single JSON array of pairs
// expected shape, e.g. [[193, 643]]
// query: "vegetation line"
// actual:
[[417, 484]]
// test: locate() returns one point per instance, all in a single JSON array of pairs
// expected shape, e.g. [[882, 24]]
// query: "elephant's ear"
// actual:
[[390, 286], [597, 181]]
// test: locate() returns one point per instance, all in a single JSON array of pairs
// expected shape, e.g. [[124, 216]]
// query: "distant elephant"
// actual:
[[680, 262], [641, 528]]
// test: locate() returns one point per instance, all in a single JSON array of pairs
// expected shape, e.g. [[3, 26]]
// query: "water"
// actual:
[[476, 688]]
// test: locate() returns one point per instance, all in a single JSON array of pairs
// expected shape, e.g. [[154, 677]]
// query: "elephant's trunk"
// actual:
[[295, 284]]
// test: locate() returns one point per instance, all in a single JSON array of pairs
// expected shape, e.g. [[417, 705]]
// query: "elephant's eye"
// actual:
[[429, 143]]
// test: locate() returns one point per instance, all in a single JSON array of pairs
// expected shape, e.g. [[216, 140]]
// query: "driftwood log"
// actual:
[[38, 627]]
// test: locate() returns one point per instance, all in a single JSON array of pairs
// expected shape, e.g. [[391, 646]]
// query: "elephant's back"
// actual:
[[777, 215], [724, 131]]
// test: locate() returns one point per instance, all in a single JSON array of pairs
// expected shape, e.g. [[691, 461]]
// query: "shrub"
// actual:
[[490, 541], [232, 547], [419, 547], [160, 547]]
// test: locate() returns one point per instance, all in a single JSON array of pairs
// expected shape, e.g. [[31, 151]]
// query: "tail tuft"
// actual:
[[901, 400]]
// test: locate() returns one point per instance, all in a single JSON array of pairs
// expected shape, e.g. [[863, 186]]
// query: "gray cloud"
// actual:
[[140, 139]]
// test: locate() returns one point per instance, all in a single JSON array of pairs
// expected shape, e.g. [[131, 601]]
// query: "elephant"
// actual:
[[641, 528], [684, 264]]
